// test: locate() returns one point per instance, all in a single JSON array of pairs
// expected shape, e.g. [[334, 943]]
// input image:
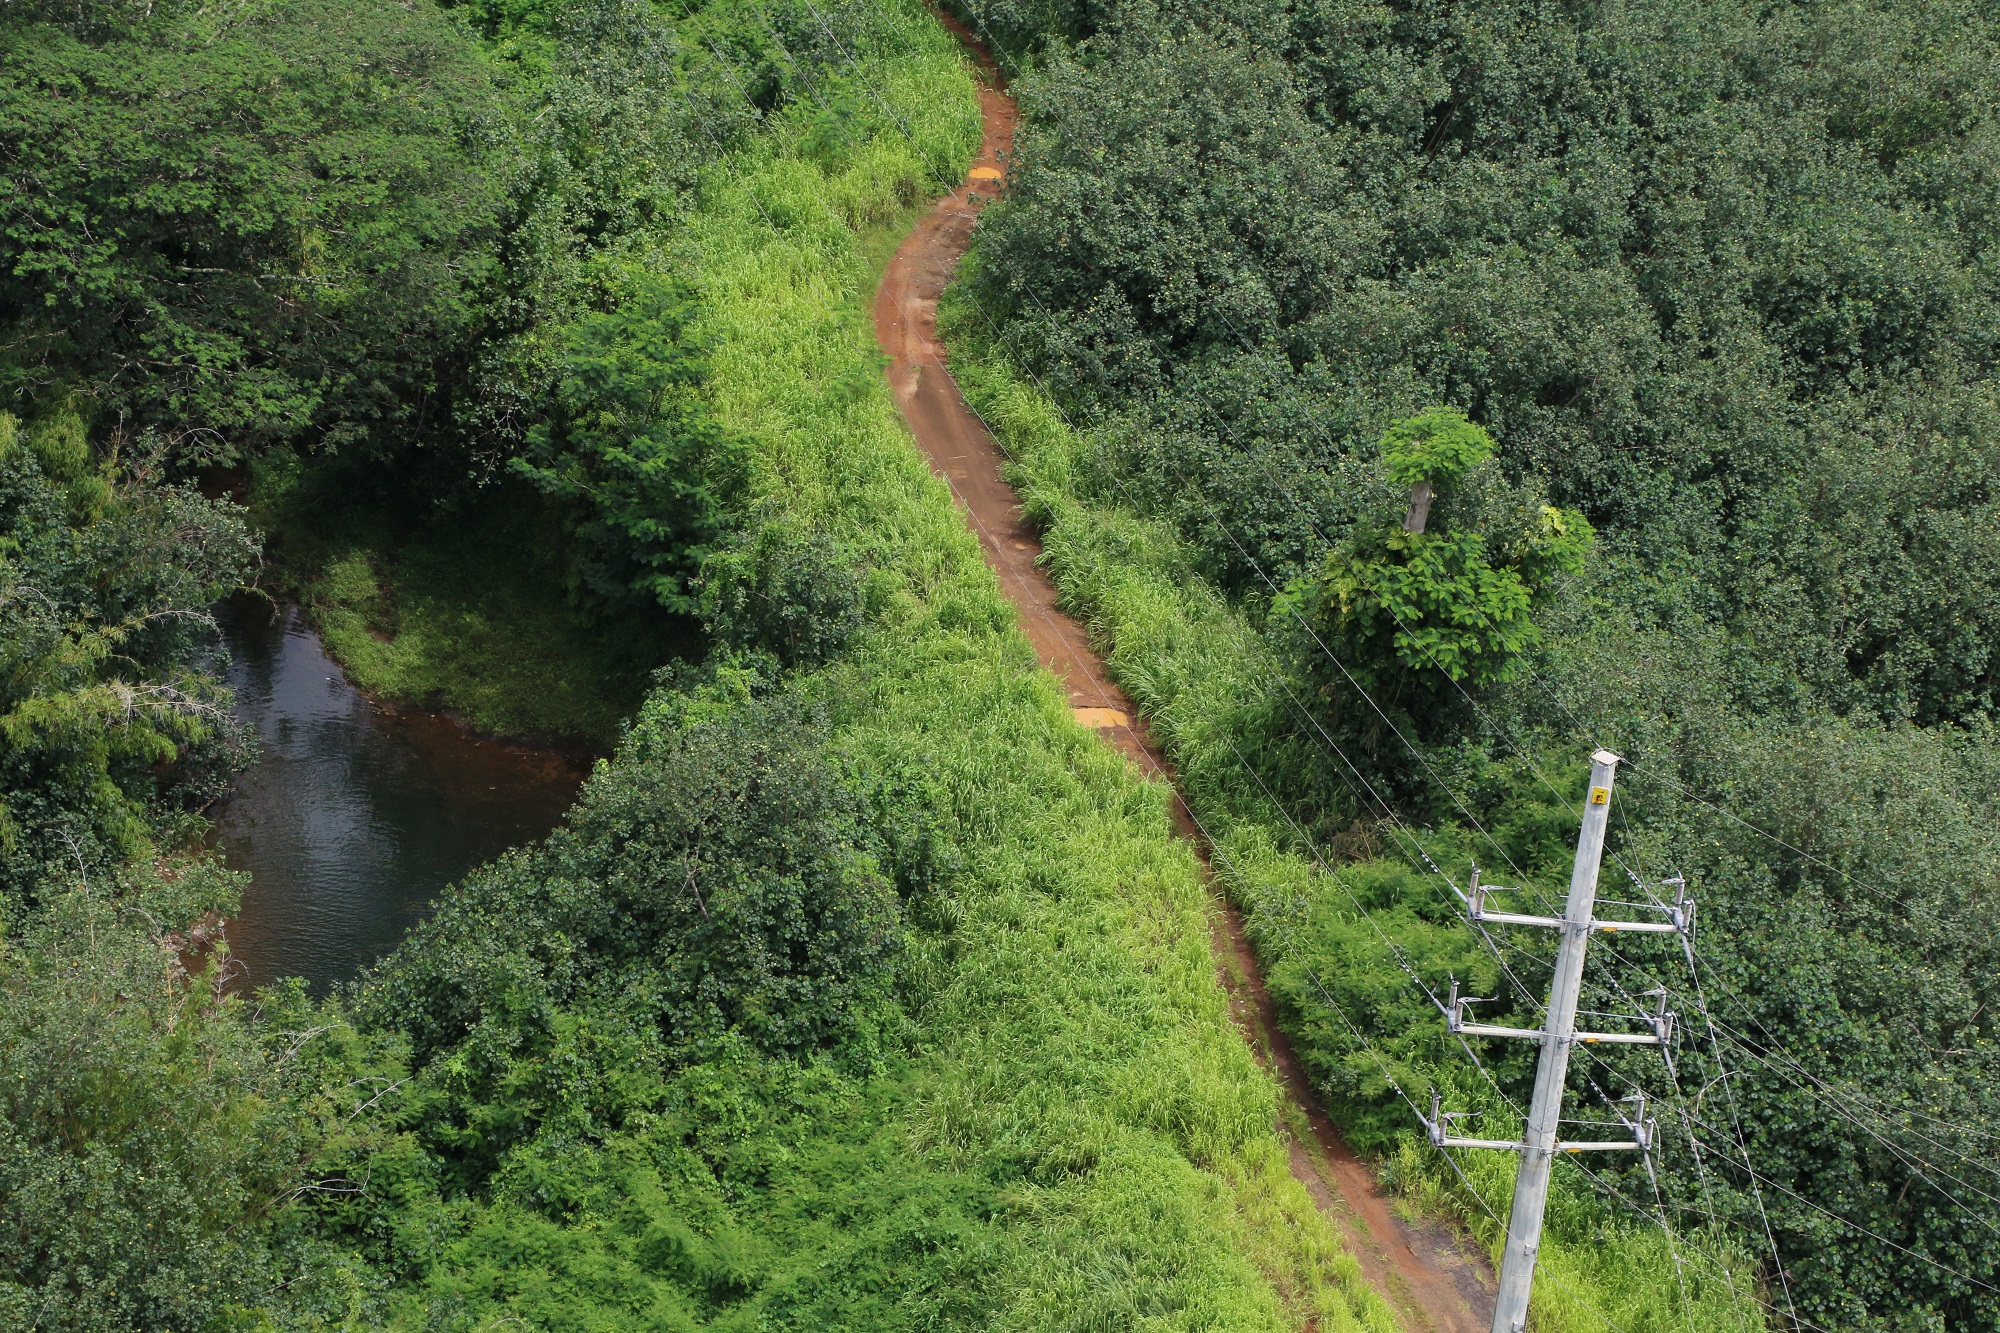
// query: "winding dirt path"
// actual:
[[1435, 1284]]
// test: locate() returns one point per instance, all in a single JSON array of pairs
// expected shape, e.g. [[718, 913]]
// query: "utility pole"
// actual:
[[1538, 1144]]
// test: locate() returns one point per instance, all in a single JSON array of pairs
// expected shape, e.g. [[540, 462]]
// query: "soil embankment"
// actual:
[[1435, 1283]]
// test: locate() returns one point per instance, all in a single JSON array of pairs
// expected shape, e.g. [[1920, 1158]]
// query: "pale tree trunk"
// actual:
[[1420, 507]]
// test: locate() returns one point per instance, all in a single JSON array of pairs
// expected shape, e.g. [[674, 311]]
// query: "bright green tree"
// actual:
[[1445, 597]]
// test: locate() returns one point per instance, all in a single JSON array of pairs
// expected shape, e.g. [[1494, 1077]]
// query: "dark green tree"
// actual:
[[273, 224], [632, 447]]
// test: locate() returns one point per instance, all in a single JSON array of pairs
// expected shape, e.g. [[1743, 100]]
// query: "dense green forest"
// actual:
[[1686, 313]]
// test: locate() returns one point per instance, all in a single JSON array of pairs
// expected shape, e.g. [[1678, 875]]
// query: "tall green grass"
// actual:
[[1201, 674], [1072, 1030]]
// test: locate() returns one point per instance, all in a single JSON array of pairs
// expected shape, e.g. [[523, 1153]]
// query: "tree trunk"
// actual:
[[1420, 507]]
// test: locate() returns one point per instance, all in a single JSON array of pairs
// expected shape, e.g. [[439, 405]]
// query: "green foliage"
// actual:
[[784, 595], [870, 995], [152, 1132], [1017, 31], [631, 445], [1030, 1111], [1828, 1029], [1434, 601], [1105, 1095], [1435, 446], [1439, 603], [465, 603], [1722, 275], [721, 870], [344, 229], [104, 590], [1398, 609]]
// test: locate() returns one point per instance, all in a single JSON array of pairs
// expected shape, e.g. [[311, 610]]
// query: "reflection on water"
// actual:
[[357, 814]]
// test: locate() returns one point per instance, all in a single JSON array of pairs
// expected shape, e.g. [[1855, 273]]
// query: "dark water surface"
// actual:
[[357, 813]]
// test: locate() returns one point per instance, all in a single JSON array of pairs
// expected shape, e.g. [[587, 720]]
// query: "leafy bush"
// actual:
[[782, 594], [1019, 30], [719, 878], [156, 1131], [632, 447], [105, 585]]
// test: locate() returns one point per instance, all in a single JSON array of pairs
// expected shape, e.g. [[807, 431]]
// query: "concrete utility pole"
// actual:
[[1538, 1145]]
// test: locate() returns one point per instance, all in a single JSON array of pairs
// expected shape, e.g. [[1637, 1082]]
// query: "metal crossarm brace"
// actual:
[[1645, 1132], [1454, 1018], [1615, 1038], [1438, 1128], [1680, 913], [1455, 1023]]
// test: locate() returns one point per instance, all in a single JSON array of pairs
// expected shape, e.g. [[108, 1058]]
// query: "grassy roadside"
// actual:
[[1198, 670], [1076, 1029]]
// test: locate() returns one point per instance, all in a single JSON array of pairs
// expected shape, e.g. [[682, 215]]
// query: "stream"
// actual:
[[356, 814]]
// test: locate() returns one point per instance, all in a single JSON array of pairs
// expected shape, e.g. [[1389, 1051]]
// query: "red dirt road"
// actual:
[[1435, 1283]]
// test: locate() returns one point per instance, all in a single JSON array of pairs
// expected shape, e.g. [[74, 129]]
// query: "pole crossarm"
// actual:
[[1507, 1145], [1438, 1129], [1515, 1145], [1483, 915], [1480, 915], [1679, 913], [1661, 1023], [1490, 1030]]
